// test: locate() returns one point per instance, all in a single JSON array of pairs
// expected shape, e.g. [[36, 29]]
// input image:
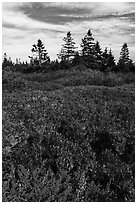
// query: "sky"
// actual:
[[23, 23]]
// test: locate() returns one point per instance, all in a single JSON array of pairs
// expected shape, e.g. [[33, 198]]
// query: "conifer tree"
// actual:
[[5, 57], [105, 58], [62, 54], [68, 48], [78, 59], [88, 44], [124, 54], [111, 59], [124, 62], [88, 50], [98, 55], [6, 62], [108, 61], [39, 53]]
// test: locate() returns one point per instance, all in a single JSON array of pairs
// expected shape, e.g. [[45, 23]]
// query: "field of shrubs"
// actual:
[[68, 136]]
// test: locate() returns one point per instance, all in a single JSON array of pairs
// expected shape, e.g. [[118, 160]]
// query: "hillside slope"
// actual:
[[68, 142]]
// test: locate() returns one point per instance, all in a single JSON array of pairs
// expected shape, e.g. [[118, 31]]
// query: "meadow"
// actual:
[[68, 135]]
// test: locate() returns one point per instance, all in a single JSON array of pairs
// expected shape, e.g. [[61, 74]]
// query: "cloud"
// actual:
[[62, 12], [22, 21]]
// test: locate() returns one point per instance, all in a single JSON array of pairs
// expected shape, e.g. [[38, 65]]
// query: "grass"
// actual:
[[68, 136]]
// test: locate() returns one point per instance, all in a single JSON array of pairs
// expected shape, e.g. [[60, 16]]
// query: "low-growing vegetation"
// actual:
[[62, 78], [68, 135]]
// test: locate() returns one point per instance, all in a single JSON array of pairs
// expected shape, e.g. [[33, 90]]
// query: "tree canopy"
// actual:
[[39, 53], [68, 49]]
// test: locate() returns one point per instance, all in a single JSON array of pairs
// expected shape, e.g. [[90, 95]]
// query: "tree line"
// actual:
[[90, 56]]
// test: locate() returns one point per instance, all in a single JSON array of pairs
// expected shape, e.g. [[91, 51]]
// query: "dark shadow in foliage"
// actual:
[[54, 65], [128, 155], [65, 64], [102, 141], [69, 132], [78, 60], [47, 154], [121, 192], [100, 178]]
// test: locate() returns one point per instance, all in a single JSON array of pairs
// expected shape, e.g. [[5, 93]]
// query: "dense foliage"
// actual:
[[68, 135]]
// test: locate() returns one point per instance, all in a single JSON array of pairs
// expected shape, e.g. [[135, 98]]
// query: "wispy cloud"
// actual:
[[23, 23]]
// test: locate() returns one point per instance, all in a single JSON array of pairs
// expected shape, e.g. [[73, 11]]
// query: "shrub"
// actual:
[[73, 144]]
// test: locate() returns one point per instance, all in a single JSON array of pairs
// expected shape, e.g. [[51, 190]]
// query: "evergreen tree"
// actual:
[[105, 59], [124, 62], [111, 59], [108, 61], [68, 48], [26, 63], [10, 61], [131, 66], [88, 50], [17, 61], [124, 54], [98, 55], [5, 58], [62, 54], [88, 44], [39, 53], [78, 59], [6, 62]]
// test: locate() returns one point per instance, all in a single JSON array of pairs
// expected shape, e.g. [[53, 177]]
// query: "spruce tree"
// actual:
[[124, 62], [6, 62], [5, 57], [68, 48], [78, 59], [98, 55], [88, 50], [39, 53], [111, 59], [124, 54], [105, 59], [108, 61], [88, 44]]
